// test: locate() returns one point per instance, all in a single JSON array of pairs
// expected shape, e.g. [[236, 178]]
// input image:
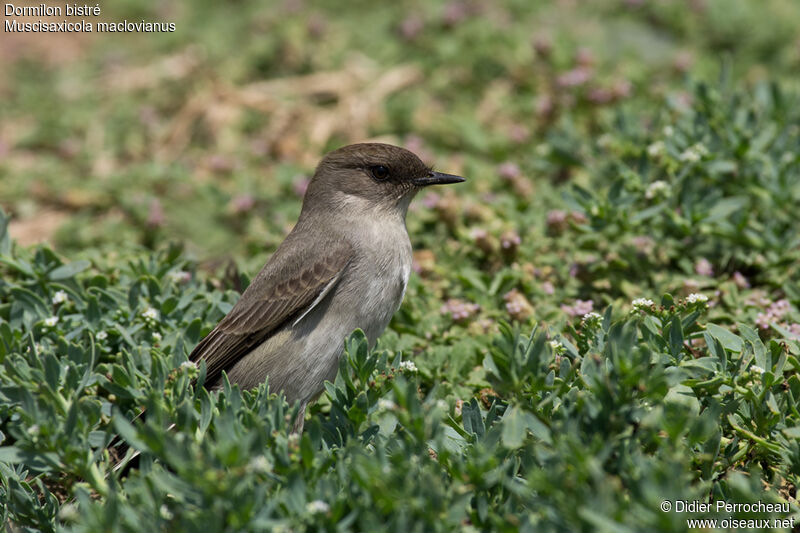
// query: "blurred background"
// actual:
[[621, 155], [208, 135]]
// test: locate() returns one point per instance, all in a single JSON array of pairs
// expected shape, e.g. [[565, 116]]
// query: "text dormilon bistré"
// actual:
[[73, 10]]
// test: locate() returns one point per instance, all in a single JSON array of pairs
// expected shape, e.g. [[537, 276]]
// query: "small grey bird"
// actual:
[[345, 265]]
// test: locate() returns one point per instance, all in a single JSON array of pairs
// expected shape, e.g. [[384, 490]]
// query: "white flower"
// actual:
[[101, 335], [694, 153], [386, 405], [156, 336], [260, 464], [150, 314], [696, 297], [689, 156], [557, 347], [51, 321], [757, 369], [179, 276], [669, 131], [60, 297], [657, 188], [543, 150], [69, 513], [592, 316], [605, 140], [166, 514], [655, 149], [34, 429], [642, 303], [188, 364], [317, 506], [408, 366]]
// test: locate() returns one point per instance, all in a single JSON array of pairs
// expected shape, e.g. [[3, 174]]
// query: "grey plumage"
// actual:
[[345, 265]]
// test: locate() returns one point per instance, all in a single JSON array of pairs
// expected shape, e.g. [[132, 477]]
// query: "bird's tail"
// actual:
[[123, 456]]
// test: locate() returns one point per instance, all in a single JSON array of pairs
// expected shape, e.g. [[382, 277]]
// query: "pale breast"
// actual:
[[385, 273], [375, 283]]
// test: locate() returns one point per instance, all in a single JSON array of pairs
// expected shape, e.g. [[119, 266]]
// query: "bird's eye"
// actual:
[[379, 172]]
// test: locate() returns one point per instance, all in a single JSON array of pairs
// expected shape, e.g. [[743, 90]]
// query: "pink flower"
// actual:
[[774, 313], [509, 170], [242, 203], [68, 148], [478, 233], [300, 185], [556, 216], [575, 77], [690, 286], [510, 239], [488, 197], [573, 270], [454, 12], [757, 298], [416, 144], [483, 240], [600, 95], [578, 217], [220, 164], [544, 106], [740, 280], [519, 133], [584, 57], [557, 220], [293, 6], [703, 267], [518, 307], [459, 310], [155, 216], [431, 200], [578, 308], [509, 242], [548, 288], [316, 26], [621, 89], [643, 244], [411, 27], [684, 99]]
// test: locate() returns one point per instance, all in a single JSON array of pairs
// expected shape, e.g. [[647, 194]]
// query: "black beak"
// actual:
[[437, 178]]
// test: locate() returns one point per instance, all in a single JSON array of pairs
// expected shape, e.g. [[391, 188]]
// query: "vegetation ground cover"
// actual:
[[605, 317]]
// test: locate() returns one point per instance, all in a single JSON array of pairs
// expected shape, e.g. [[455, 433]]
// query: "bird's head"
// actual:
[[370, 176]]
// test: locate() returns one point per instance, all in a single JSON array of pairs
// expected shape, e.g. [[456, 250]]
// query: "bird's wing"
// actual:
[[293, 281]]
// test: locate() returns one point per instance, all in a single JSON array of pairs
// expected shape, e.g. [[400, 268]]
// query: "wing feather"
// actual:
[[281, 291]]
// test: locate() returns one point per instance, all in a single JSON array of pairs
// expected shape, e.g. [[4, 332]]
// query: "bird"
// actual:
[[345, 265]]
